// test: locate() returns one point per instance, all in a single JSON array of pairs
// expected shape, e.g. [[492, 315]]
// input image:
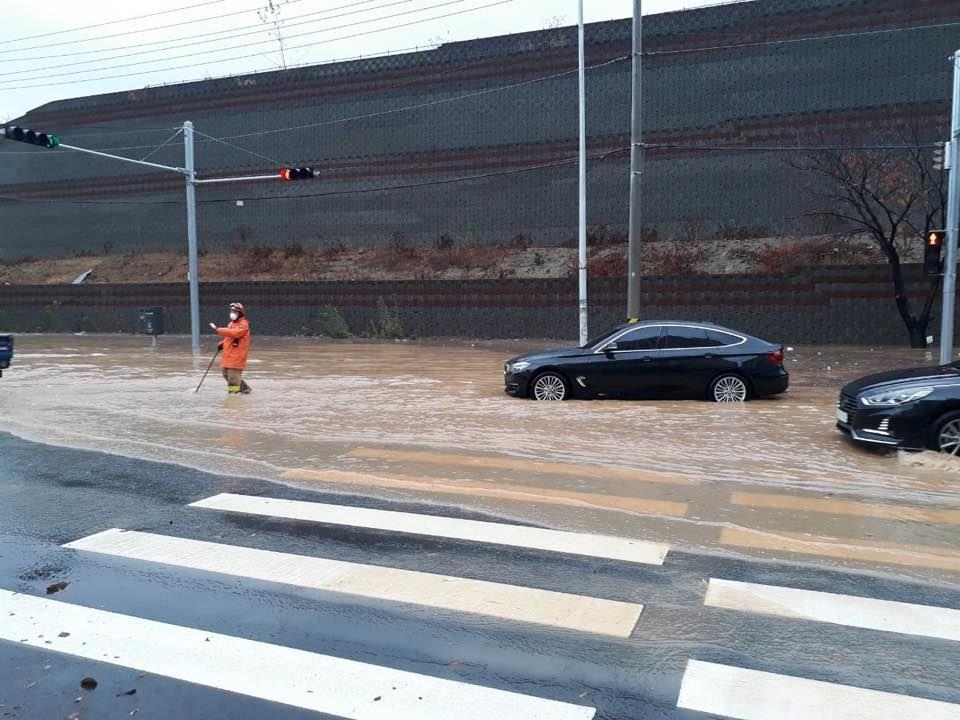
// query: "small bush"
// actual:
[[293, 250], [443, 242], [742, 232], [787, 257], [387, 324], [332, 324]]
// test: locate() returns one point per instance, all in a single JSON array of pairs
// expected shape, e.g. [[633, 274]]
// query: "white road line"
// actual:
[[733, 692], [344, 688], [511, 602], [860, 612], [600, 546]]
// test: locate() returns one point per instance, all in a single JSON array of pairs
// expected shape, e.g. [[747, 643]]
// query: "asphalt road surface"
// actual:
[[131, 588]]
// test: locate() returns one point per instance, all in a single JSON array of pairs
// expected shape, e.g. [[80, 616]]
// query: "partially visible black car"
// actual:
[[654, 359], [6, 352], [909, 409]]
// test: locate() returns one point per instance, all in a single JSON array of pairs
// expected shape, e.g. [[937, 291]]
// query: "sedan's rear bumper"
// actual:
[[764, 386]]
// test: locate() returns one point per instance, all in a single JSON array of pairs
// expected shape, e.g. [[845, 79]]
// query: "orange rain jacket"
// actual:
[[236, 344]]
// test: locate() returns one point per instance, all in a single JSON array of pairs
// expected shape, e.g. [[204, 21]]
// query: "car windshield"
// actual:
[[601, 338]]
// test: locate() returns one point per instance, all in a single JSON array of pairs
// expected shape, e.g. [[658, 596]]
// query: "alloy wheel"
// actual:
[[730, 389], [549, 387], [949, 439]]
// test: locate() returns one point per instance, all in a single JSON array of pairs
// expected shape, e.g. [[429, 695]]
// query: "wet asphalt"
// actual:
[[50, 496]]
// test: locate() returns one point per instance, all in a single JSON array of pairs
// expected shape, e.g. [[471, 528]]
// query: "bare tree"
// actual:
[[895, 197]]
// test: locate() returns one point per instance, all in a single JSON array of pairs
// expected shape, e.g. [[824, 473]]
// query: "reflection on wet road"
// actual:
[[403, 420]]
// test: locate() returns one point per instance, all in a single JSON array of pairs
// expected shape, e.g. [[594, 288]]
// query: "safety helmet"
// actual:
[[237, 306]]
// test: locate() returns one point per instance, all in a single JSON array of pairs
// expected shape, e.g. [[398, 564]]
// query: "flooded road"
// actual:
[[431, 423]]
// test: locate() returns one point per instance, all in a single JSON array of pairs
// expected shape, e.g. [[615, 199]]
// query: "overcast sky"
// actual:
[[49, 51]]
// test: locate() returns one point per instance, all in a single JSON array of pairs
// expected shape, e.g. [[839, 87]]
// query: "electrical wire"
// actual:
[[258, 29], [162, 145], [784, 148], [242, 46], [237, 147], [254, 55], [141, 31], [335, 193], [111, 22]]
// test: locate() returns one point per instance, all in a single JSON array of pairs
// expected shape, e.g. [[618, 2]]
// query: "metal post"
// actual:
[[584, 337], [636, 173], [192, 236], [953, 198]]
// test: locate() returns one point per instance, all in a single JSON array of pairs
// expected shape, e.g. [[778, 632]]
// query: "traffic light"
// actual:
[[15, 132], [939, 150], [931, 252], [301, 173]]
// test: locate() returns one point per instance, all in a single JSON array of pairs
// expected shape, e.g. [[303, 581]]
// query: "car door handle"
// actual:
[[709, 356], [647, 358]]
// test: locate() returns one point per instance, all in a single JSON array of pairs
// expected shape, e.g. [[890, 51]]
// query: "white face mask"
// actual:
[[234, 316]]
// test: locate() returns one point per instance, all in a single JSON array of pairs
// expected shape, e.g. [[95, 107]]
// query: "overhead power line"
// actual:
[[111, 22], [258, 31], [144, 30], [270, 41], [260, 26], [254, 55]]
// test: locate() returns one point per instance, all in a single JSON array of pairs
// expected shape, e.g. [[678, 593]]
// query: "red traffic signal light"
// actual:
[[301, 173], [15, 132], [932, 247]]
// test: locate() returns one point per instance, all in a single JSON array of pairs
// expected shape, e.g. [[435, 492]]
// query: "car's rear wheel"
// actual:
[[549, 386], [947, 434], [729, 388]]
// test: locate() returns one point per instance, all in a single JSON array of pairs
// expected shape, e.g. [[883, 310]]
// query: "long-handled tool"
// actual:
[[208, 369]]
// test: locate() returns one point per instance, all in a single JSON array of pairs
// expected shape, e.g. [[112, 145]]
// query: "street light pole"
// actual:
[[953, 219], [584, 336], [636, 172], [192, 236]]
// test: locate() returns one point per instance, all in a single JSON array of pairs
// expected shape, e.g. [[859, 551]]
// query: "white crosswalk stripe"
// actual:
[[598, 546], [733, 692], [860, 612], [511, 602], [280, 674]]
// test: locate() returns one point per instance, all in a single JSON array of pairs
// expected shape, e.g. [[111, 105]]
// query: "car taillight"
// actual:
[[776, 357]]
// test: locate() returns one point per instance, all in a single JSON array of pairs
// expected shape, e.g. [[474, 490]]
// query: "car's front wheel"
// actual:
[[549, 386], [946, 437], [729, 388]]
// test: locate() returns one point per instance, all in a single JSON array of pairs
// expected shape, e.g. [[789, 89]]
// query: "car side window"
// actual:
[[644, 338], [718, 338], [676, 337]]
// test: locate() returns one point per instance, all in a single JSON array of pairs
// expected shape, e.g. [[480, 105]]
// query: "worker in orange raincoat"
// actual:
[[236, 348]]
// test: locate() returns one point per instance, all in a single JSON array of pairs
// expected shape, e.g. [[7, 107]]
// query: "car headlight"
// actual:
[[517, 366], [897, 397]]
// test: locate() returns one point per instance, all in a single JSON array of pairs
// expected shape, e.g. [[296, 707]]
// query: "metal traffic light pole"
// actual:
[[189, 172], [953, 216]]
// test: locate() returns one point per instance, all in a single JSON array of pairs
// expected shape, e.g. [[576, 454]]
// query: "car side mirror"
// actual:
[[611, 348]]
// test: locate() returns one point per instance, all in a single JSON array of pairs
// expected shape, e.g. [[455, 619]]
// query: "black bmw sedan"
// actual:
[[910, 409], [654, 359]]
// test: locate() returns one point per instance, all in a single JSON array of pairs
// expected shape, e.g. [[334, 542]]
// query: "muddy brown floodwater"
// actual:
[[431, 423]]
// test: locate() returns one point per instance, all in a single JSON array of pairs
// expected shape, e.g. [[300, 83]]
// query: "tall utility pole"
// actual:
[[636, 172], [194, 272], [953, 219], [584, 336]]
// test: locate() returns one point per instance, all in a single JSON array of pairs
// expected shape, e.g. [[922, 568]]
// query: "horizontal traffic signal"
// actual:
[[33, 137], [301, 173], [932, 246]]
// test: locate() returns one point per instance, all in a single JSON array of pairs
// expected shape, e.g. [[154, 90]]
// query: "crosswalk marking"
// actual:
[[511, 602], [861, 612], [876, 552], [599, 546], [502, 462], [302, 679], [847, 507], [733, 692], [499, 491]]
